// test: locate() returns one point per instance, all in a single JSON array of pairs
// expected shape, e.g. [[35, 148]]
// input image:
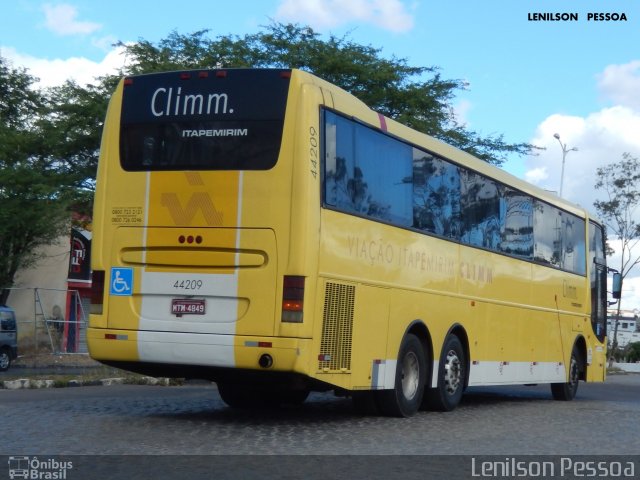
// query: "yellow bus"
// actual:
[[266, 230]]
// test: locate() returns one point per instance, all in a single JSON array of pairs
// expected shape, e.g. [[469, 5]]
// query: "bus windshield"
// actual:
[[203, 120]]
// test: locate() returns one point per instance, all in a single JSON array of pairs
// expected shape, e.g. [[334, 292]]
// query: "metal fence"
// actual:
[[50, 321]]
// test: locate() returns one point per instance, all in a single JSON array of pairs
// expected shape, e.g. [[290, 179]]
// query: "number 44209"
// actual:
[[188, 284]]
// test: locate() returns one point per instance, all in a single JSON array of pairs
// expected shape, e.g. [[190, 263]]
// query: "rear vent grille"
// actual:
[[337, 327]]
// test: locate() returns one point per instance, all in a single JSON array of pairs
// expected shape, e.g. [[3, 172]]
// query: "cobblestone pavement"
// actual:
[[191, 419]]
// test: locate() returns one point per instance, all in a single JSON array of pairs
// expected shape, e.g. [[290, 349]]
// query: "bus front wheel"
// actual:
[[451, 377], [567, 391], [411, 372]]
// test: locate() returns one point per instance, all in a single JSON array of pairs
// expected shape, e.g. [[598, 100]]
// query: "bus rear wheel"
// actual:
[[567, 391], [411, 372], [451, 377]]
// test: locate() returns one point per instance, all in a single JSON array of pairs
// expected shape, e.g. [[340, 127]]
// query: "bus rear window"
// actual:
[[203, 120]]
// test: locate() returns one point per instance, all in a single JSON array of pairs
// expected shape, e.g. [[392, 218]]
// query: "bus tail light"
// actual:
[[97, 291], [292, 299]]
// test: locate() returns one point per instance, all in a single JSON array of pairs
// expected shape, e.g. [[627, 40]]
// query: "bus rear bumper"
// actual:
[[196, 349]]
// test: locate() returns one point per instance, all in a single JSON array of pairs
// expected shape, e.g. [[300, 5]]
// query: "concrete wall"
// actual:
[[49, 277], [628, 367]]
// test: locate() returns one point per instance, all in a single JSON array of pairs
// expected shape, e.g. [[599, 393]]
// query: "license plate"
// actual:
[[182, 306]]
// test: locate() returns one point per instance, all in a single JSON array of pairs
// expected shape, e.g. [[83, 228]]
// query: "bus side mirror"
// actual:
[[616, 290]]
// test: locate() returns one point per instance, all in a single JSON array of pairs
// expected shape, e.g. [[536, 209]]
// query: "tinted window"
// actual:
[[559, 238], [436, 195], [367, 173], [7, 321], [598, 280], [480, 209], [516, 224], [203, 121], [547, 225], [573, 244]]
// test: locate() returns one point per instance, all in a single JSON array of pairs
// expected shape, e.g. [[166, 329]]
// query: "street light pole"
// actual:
[[565, 150]]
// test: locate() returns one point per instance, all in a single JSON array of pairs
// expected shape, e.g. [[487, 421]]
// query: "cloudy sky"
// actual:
[[527, 79]]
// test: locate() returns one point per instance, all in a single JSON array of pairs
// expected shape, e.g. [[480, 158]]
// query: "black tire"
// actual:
[[250, 396], [291, 396], [236, 396], [567, 391], [451, 377], [5, 360], [411, 374]]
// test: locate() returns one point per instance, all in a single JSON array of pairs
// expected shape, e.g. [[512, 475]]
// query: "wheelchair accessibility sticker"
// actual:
[[121, 281]]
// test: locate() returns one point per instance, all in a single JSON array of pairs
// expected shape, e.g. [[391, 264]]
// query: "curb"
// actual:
[[27, 383]]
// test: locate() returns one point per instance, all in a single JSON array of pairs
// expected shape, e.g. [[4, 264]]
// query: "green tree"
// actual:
[[632, 352], [415, 96], [49, 141], [33, 194], [620, 183], [72, 127]]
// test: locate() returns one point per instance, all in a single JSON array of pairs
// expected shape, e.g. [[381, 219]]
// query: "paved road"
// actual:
[[192, 419]]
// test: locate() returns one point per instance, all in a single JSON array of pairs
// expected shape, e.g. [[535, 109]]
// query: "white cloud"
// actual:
[[631, 293], [537, 175], [631, 284], [389, 15], [57, 71], [601, 138], [461, 110], [105, 43], [62, 20], [621, 83]]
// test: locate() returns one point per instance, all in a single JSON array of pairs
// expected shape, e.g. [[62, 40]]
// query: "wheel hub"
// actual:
[[410, 375], [452, 372]]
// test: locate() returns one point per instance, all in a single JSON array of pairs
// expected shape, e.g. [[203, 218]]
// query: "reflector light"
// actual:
[[203, 74], [292, 306], [185, 76], [113, 336], [292, 299], [221, 74], [97, 291], [128, 81], [252, 343], [285, 74]]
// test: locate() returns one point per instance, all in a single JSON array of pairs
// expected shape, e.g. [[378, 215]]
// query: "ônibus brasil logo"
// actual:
[[38, 469]]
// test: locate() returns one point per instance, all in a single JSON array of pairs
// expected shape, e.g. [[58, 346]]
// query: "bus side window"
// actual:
[[436, 195]]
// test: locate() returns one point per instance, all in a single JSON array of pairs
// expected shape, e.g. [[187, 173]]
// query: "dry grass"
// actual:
[[50, 360]]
